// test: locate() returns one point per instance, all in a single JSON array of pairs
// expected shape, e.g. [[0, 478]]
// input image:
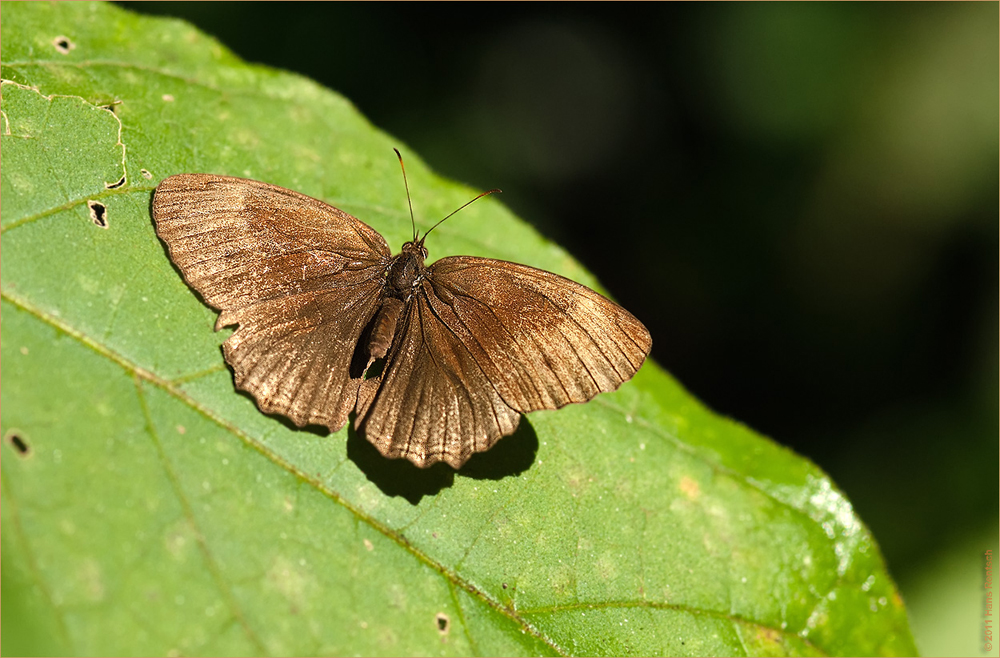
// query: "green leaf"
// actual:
[[150, 508]]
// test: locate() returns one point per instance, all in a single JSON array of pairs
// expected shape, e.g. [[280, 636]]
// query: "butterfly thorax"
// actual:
[[405, 270]]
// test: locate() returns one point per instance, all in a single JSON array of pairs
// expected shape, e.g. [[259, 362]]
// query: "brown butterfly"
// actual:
[[465, 346]]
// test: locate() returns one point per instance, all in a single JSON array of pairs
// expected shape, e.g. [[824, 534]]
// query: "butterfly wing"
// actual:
[[485, 340], [301, 278], [432, 402]]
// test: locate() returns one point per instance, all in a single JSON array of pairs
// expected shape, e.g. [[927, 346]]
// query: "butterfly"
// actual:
[[437, 362]]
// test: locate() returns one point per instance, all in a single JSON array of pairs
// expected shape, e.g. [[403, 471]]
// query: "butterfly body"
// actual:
[[467, 344], [402, 275]]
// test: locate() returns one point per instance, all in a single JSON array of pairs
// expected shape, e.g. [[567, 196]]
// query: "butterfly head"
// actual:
[[415, 249]]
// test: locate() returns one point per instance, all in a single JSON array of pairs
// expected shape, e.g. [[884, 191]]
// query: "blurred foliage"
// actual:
[[806, 192]]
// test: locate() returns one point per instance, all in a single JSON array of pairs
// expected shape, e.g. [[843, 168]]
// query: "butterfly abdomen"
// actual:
[[384, 328]]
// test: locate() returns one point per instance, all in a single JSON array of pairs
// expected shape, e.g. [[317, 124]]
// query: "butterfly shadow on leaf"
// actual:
[[511, 456]]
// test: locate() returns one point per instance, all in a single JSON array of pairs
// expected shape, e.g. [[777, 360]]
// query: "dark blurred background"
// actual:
[[799, 200]]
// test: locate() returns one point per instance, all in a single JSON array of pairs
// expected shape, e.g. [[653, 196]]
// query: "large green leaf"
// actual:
[[150, 508]]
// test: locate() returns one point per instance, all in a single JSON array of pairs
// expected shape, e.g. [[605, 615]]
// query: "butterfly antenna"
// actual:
[[407, 186], [486, 193]]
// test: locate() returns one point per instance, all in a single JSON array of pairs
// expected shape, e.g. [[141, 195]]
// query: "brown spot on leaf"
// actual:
[[689, 488]]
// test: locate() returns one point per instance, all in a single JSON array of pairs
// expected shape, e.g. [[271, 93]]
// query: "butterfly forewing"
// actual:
[[301, 279], [240, 241], [542, 340]]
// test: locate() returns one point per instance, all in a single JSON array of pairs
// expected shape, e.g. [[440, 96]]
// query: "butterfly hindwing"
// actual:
[[432, 402]]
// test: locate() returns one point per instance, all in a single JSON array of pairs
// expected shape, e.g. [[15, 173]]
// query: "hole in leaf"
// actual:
[[98, 213], [115, 185], [63, 44], [145, 174], [19, 443], [442, 623]]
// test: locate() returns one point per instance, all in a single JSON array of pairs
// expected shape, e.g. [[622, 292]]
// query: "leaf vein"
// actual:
[[210, 561], [12, 516]]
